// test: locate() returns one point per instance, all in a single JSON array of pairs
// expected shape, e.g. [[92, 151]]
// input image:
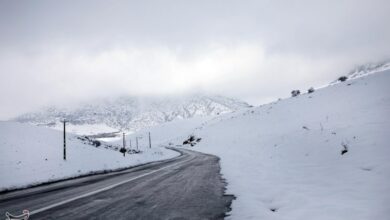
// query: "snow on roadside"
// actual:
[[31, 155], [324, 155]]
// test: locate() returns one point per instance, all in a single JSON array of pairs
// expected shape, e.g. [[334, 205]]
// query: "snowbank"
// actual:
[[284, 160], [32, 155]]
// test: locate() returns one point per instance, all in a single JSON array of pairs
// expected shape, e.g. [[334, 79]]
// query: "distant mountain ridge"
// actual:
[[369, 68], [364, 70], [131, 113]]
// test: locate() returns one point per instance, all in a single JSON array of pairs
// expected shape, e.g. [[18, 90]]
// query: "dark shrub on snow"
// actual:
[[88, 140], [345, 149], [123, 150], [311, 90], [192, 140], [342, 78], [295, 93]]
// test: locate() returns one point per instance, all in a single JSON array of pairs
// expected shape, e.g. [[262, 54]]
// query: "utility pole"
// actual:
[[124, 145], [150, 142], [124, 141], [64, 139], [136, 142]]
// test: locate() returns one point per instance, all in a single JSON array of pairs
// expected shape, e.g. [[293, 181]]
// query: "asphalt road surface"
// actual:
[[186, 187]]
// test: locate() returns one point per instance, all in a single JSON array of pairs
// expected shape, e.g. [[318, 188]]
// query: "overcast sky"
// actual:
[[59, 52]]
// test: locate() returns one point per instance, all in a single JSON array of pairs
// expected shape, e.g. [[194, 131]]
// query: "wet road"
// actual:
[[186, 187]]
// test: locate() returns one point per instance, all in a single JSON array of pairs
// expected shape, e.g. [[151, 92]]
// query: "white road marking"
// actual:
[[102, 189]]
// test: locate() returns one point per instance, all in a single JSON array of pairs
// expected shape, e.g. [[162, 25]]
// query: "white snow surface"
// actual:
[[286, 156], [369, 69], [32, 155], [86, 129], [161, 135]]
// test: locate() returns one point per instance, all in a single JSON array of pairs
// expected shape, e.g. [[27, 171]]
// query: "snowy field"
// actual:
[[86, 129], [324, 155], [31, 155], [163, 133]]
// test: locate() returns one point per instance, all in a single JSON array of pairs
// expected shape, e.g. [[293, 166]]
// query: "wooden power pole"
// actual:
[[64, 139], [136, 142], [150, 141], [124, 144], [124, 141]]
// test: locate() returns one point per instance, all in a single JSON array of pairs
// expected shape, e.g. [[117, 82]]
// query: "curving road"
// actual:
[[186, 187]]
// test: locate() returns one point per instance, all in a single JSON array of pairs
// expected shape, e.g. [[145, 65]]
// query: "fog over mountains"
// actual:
[[128, 113], [369, 68]]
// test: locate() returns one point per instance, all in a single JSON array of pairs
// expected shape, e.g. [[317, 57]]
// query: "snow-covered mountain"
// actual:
[[320, 155], [131, 113], [369, 68], [363, 70]]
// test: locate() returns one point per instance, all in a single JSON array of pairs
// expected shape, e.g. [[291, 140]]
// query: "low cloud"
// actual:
[[66, 52]]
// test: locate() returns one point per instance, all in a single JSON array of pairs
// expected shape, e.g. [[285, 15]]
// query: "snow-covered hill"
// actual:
[[323, 155], [130, 113], [369, 68], [32, 155], [163, 133]]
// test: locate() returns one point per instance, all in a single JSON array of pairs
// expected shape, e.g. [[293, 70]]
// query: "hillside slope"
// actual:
[[32, 155], [131, 113], [323, 155]]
